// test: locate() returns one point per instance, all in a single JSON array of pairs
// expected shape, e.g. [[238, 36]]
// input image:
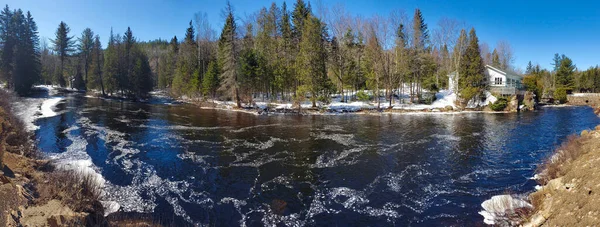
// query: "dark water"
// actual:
[[208, 167]]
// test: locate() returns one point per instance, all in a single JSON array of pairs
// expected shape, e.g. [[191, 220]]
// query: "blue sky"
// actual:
[[535, 29]]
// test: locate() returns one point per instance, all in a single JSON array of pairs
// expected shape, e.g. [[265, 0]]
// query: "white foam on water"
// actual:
[[183, 127], [343, 139], [325, 160]]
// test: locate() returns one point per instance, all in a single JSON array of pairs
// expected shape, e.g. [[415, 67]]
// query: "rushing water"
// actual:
[[191, 166]]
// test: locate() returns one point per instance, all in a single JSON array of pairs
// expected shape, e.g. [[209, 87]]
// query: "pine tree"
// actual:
[[228, 58], [86, 43], [471, 70], [63, 46], [565, 74]]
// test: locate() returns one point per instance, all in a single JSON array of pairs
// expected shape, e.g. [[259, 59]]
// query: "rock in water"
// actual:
[[529, 103]]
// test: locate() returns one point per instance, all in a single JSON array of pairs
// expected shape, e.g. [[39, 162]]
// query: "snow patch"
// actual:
[[47, 108]]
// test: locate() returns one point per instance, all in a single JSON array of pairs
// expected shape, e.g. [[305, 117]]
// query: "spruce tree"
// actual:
[[420, 32], [63, 46], [286, 48], [8, 41], [495, 59], [111, 63], [21, 66], [311, 67], [86, 43], [228, 58], [299, 15], [95, 81], [472, 79], [529, 68], [187, 79], [210, 81]]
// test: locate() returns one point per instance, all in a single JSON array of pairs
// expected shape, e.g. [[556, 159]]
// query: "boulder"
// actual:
[[529, 103]]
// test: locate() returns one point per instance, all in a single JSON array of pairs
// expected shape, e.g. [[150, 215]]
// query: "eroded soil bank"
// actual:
[[571, 184]]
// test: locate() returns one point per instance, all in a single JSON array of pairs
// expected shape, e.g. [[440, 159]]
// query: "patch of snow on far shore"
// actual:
[[352, 107], [489, 98]]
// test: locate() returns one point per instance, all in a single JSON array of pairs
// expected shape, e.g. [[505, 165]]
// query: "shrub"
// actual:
[[78, 190], [17, 139], [560, 95], [499, 105], [468, 93], [362, 96], [552, 167]]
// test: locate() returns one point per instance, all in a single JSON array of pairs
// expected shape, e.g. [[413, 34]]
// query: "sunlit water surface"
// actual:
[[188, 166]]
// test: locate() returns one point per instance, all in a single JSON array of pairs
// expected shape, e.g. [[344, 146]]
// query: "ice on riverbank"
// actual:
[[503, 209], [47, 107]]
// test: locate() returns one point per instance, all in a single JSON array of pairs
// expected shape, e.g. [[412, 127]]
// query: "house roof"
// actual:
[[509, 74]]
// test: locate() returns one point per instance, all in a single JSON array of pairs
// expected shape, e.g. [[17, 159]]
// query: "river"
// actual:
[[191, 166]]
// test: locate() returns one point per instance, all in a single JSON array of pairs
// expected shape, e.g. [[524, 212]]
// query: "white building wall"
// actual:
[[492, 75]]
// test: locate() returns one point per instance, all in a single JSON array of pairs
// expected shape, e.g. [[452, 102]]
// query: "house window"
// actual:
[[498, 81]]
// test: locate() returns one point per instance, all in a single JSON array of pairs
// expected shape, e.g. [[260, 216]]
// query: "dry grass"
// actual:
[[78, 190], [16, 138], [554, 166]]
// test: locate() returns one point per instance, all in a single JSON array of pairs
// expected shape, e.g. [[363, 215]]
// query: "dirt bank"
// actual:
[[571, 185]]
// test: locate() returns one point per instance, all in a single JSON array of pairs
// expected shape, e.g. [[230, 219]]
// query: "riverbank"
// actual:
[[35, 191], [567, 191], [570, 188], [444, 104]]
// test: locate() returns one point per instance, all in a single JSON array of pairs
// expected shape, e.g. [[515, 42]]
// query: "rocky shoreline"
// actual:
[[567, 194], [570, 183]]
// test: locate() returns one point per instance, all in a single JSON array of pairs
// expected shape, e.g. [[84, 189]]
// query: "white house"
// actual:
[[498, 81]]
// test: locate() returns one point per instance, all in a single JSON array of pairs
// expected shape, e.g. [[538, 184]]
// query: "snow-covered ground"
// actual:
[[31, 109], [444, 99]]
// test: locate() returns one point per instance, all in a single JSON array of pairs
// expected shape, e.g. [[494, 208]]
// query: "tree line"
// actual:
[[278, 53], [294, 55], [120, 69], [564, 78]]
